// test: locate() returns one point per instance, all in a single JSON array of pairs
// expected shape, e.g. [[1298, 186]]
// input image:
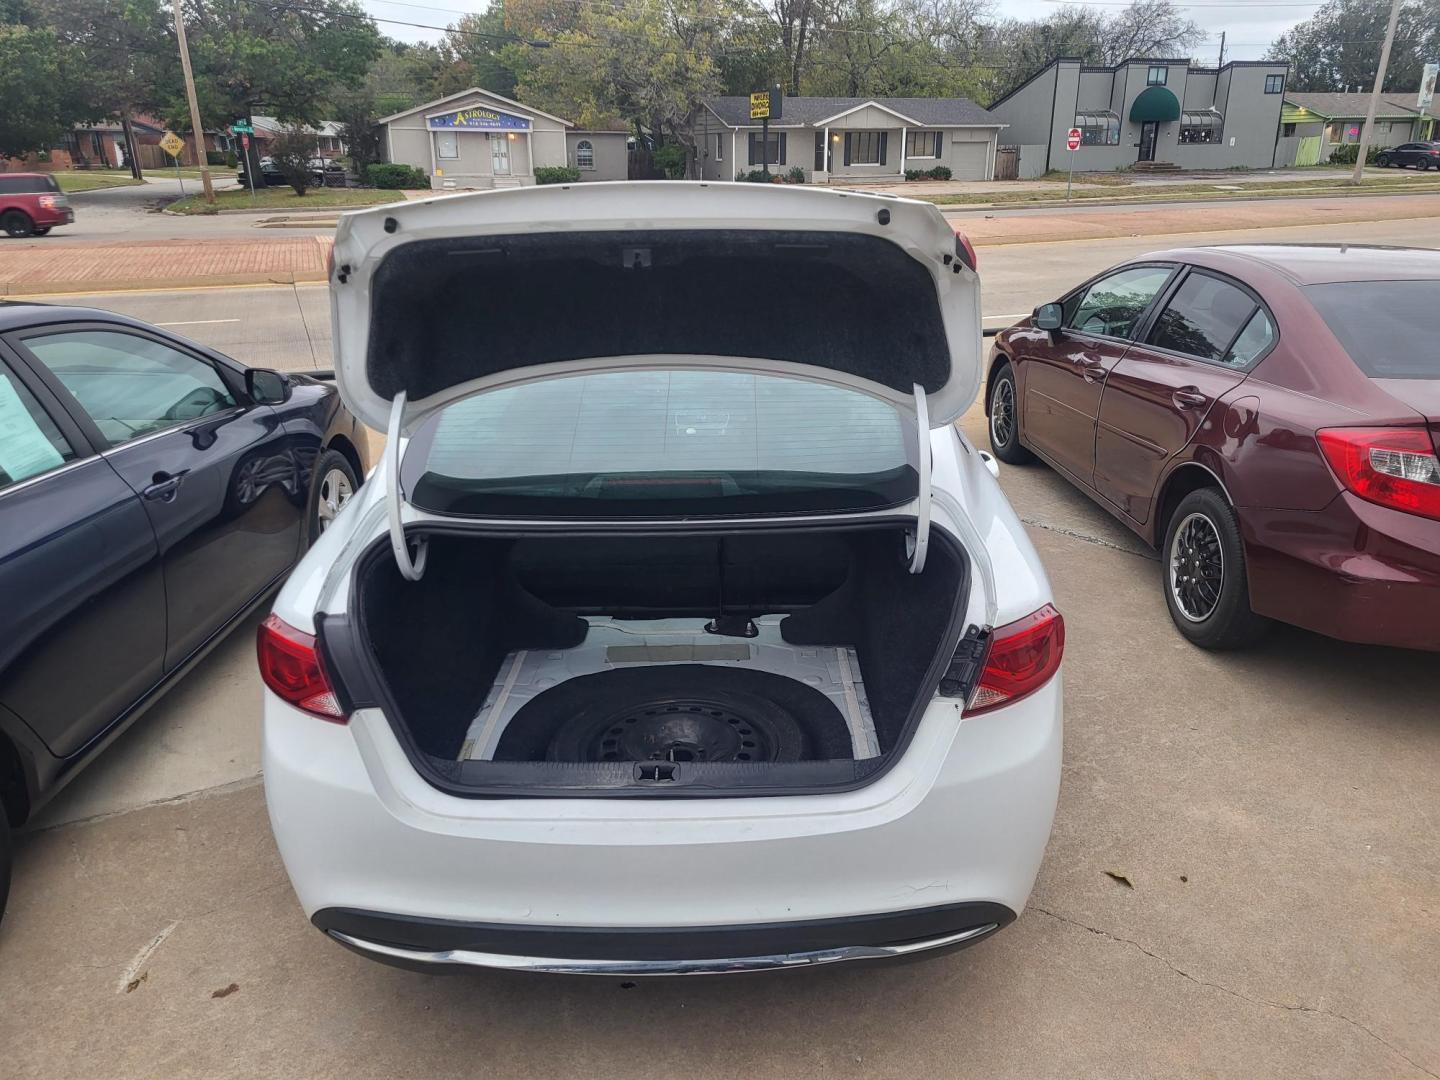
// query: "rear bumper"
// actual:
[[1354, 571], [428, 944], [958, 826]]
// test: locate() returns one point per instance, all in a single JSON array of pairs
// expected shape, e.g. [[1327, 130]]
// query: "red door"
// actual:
[[1062, 375], [1202, 344]]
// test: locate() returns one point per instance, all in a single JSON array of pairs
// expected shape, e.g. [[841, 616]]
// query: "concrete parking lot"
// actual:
[[1243, 880]]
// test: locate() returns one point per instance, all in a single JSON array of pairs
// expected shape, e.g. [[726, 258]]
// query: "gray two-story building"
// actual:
[[1146, 113]]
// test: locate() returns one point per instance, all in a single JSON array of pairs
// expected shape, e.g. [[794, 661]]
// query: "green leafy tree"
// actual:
[[355, 112], [127, 52], [479, 51], [41, 94], [291, 151], [1338, 48], [404, 75], [284, 58]]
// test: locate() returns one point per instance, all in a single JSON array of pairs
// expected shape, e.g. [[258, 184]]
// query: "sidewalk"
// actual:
[[38, 267]]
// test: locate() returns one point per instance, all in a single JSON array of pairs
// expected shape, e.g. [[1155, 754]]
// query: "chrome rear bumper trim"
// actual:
[[555, 966]]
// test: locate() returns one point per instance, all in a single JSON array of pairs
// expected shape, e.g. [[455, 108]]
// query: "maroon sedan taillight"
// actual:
[[1395, 467]]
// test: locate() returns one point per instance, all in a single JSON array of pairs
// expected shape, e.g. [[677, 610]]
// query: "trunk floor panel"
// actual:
[[612, 644]]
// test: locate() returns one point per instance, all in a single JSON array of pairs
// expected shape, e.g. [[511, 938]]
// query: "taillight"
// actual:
[[50, 202], [965, 251], [1394, 467], [290, 666], [1023, 656]]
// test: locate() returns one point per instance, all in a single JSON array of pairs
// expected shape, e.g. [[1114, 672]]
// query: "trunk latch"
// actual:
[[657, 772], [965, 665]]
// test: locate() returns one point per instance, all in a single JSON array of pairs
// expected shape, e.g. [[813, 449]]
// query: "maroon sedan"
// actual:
[[1268, 416]]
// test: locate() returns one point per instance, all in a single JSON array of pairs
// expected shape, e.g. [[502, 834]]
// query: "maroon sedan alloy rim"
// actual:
[[1197, 567]]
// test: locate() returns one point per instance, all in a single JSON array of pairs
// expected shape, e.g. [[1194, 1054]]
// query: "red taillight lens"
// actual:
[[290, 666], [1023, 656], [966, 251], [1395, 467], [49, 202]]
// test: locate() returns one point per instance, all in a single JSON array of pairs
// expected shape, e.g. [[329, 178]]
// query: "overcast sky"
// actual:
[[1250, 25]]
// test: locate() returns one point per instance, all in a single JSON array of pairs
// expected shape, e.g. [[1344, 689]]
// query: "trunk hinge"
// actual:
[[964, 669], [411, 568], [918, 542]]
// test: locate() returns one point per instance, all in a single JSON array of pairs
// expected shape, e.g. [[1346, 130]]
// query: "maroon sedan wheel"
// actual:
[[1203, 564]]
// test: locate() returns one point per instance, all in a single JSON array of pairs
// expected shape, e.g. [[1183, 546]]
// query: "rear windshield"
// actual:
[[1389, 328], [23, 185], [662, 444]]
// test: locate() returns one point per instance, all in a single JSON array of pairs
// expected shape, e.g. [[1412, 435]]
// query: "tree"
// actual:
[[646, 62], [404, 75], [42, 96], [1338, 48], [291, 151], [283, 56], [127, 51], [475, 53], [355, 112]]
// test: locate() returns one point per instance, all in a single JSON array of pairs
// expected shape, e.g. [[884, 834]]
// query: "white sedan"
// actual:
[[679, 630]]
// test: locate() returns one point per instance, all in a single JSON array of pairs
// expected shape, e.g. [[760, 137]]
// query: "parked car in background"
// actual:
[[662, 647], [1268, 416], [31, 204], [327, 172], [269, 173], [1422, 155], [151, 493]]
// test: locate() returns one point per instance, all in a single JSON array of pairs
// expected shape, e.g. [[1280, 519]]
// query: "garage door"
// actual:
[[968, 160]]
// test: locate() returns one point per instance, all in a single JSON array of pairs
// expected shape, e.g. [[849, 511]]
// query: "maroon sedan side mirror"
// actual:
[[1048, 317]]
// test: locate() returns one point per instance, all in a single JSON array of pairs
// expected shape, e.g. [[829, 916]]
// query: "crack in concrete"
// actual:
[[1087, 538], [1265, 1002], [183, 797]]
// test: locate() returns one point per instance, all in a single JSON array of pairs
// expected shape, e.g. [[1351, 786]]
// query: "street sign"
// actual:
[[172, 144], [1072, 139], [241, 127], [1427, 86], [760, 105]]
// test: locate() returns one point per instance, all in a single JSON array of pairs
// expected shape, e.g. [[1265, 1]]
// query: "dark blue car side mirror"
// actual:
[[267, 387]]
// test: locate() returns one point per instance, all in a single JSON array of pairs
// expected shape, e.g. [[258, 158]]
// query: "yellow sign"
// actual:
[[760, 105], [172, 144]]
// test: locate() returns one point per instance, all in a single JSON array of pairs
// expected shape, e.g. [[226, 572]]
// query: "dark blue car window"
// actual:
[[30, 443]]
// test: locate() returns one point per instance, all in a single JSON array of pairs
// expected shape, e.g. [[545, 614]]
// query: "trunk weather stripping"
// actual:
[[919, 541], [411, 569]]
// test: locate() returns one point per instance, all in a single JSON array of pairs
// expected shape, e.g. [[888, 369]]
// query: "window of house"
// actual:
[[922, 144], [71, 142], [1157, 75], [1201, 127], [1098, 128], [1289, 130], [584, 154], [447, 145], [1274, 84], [97, 144], [776, 148], [1383, 126], [865, 147], [720, 147]]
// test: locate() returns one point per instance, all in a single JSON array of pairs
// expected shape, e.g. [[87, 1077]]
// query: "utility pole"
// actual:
[[1370, 110], [1221, 62], [195, 127]]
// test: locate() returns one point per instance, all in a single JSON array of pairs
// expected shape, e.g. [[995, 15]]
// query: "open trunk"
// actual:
[[713, 663]]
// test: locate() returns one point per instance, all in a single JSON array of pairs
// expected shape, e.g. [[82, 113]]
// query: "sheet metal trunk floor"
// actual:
[[615, 643]]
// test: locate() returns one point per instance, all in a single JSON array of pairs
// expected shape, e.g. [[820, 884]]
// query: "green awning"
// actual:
[[1155, 103]]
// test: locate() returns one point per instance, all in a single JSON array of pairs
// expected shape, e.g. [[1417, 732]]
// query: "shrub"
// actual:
[[1346, 155], [940, 172], [393, 177], [670, 158], [795, 175], [556, 174], [914, 174], [231, 161], [214, 157], [291, 150]]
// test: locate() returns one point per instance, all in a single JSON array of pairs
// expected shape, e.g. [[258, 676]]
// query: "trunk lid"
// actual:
[[447, 297]]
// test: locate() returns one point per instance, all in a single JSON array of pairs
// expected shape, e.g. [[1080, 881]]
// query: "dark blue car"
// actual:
[[152, 492]]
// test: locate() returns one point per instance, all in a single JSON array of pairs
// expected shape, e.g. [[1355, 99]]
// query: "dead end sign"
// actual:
[[1072, 139]]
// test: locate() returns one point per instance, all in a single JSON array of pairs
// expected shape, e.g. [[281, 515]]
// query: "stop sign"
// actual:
[[1072, 139]]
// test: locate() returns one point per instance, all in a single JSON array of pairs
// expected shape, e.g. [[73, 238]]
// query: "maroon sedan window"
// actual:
[[1205, 318], [1388, 327]]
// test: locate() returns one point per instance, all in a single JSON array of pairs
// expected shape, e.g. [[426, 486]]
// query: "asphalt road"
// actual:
[[1275, 813]]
